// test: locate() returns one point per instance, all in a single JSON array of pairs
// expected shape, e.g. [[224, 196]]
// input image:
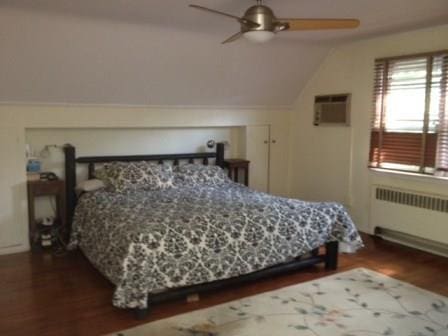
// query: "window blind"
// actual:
[[409, 128], [442, 130]]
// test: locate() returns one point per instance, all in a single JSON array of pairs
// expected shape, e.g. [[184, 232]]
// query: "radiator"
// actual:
[[411, 217], [430, 202]]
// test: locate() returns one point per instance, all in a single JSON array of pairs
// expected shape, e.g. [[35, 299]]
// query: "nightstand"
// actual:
[[234, 166], [55, 188]]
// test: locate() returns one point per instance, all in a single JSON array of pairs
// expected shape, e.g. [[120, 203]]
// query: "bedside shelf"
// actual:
[[39, 188], [234, 166]]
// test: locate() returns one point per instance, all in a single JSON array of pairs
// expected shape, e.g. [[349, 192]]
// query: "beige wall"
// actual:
[[16, 119], [330, 163]]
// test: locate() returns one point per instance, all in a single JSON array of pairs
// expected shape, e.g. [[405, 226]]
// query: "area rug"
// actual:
[[359, 302]]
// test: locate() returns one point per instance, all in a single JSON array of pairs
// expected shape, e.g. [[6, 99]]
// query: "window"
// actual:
[[410, 119]]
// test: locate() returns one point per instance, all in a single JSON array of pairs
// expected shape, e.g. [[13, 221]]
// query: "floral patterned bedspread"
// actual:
[[150, 241]]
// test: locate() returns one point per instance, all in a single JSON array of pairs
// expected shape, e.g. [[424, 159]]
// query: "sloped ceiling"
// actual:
[[160, 52]]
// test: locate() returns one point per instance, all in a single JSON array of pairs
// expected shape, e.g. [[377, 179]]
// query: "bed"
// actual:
[[155, 245]]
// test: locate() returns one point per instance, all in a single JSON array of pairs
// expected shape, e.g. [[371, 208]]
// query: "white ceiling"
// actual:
[[160, 52]]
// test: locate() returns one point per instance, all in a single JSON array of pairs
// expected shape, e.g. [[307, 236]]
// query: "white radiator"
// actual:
[[412, 217]]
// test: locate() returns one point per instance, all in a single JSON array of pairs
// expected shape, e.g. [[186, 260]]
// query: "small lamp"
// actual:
[[212, 143]]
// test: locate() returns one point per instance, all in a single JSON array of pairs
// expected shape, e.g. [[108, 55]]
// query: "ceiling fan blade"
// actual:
[[320, 24], [240, 20], [233, 38]]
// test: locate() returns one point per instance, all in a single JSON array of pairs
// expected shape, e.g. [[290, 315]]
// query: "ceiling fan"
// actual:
[[259, 23]]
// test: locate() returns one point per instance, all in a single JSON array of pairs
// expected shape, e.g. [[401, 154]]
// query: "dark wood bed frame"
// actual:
[[329, 258]]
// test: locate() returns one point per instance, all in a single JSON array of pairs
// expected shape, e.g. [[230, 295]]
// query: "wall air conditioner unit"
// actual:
[[332, 110]]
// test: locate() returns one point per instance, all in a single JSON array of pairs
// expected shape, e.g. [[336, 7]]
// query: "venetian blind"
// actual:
[[409, 125]]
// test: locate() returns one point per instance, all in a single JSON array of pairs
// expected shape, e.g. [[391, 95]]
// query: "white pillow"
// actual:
[[90, 185]]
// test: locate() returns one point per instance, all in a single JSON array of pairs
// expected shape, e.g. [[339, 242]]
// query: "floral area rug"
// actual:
[[359, 302]]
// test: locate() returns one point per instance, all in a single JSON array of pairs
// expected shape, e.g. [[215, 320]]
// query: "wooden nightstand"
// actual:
[[234, 165], [39, 188]]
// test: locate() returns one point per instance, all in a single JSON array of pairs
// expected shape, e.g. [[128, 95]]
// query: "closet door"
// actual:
[[257, 152]]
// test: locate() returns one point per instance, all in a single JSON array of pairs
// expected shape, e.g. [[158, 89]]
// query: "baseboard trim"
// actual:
[[14, 249], [418, 243]]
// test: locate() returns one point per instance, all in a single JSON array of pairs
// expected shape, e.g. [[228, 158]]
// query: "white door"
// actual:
[[257, 152]]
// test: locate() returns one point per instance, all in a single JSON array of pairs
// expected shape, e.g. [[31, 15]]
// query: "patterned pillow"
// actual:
[[198, 174], [131, 176]]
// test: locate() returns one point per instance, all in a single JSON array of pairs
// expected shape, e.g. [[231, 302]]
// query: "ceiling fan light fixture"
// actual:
[[259, 36]]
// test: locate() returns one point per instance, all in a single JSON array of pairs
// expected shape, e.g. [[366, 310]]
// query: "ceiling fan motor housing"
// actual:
[[262, 15]]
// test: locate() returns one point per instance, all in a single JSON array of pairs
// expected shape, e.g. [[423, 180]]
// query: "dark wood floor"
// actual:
[[41, 294]]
